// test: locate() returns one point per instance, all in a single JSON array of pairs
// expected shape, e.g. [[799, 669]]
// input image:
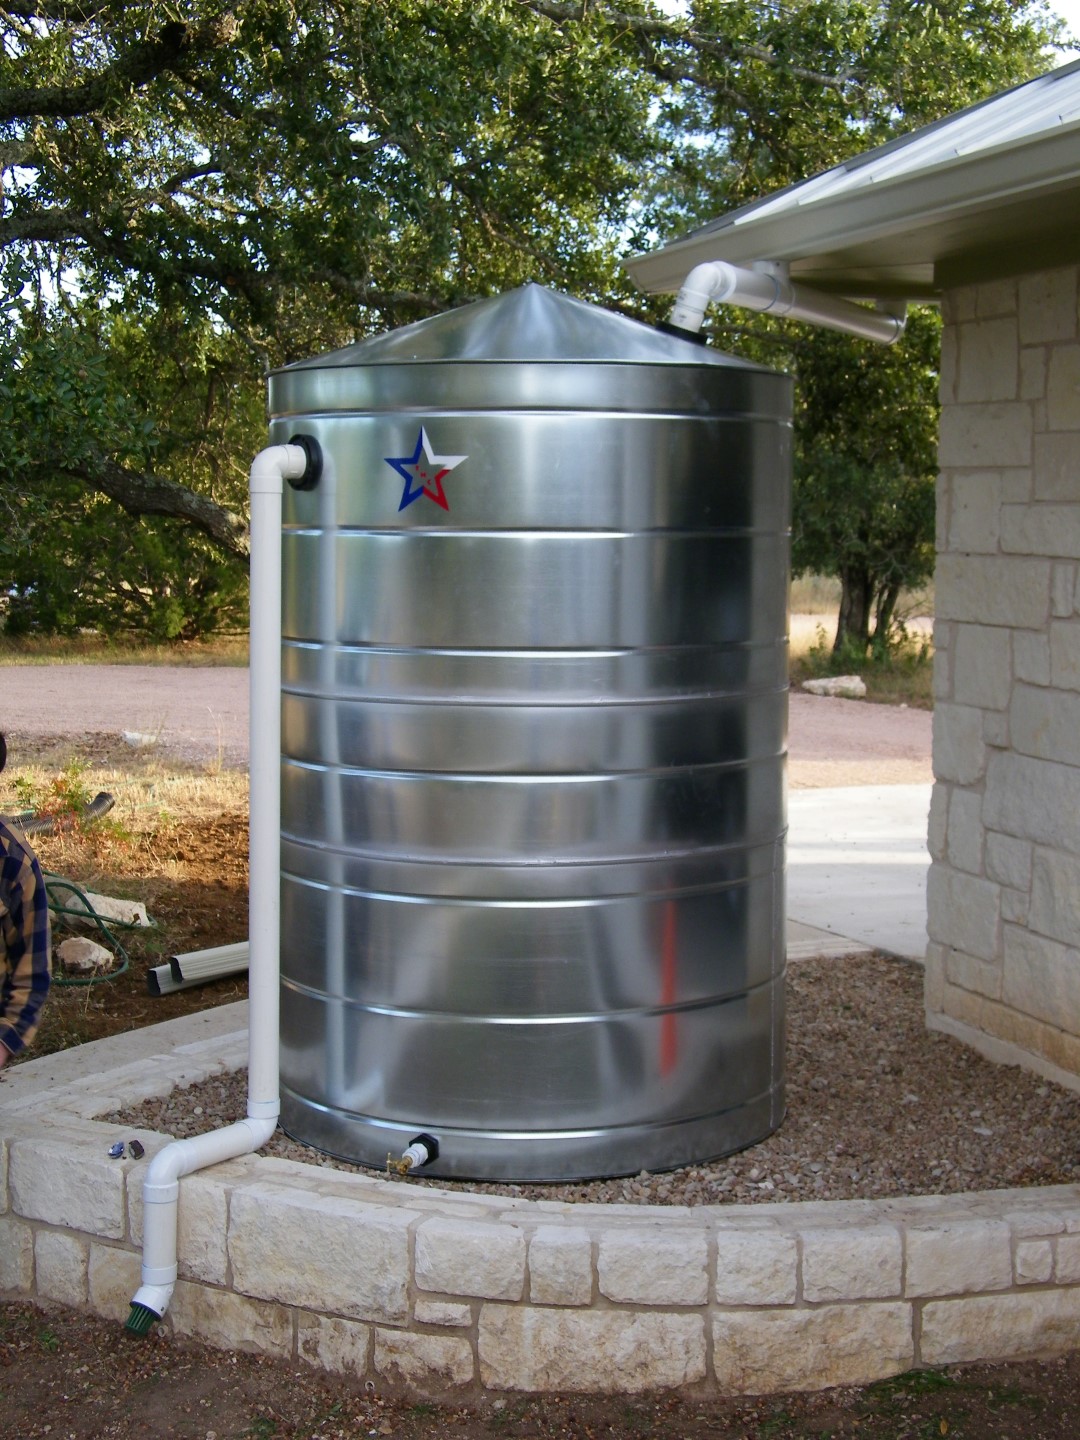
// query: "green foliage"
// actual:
[[758, 95], [65, 794], [381, 159], [102, 394], [872, 525], [194, 194], [865, 473], [89, 567], [262, 1428], [794, 90], [914, 1382]]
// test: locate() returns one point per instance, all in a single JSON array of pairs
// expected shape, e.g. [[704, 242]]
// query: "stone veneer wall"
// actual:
[[1003, 962], [446, 1294]]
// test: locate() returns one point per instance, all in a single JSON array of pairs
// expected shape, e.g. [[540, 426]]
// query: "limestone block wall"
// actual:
[[451, 1294], [1003, 961]]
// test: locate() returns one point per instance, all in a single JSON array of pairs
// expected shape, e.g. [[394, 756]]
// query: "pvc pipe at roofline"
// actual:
[[768, 289], [161, 1189]]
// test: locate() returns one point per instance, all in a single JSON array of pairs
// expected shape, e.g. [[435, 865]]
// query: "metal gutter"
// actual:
[[969, 188]]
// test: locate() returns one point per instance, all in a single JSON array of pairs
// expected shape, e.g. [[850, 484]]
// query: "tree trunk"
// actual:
[[856, 603], [884, 609]]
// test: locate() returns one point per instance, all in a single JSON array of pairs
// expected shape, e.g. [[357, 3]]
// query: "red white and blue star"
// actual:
[[423, 472]]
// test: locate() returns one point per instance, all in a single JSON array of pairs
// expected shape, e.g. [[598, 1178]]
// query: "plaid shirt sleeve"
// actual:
[[24, 942]]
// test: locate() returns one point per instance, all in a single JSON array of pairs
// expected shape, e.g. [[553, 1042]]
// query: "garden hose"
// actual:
[[32, 824], [86, 911]]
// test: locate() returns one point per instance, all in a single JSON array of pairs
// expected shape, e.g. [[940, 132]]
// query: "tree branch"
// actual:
[[48, 226], [678, 32], [16, 152], [64, 12], [174, 50], [141, 494]]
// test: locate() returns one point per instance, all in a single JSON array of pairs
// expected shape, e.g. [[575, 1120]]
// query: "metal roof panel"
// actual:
[[944, 182]]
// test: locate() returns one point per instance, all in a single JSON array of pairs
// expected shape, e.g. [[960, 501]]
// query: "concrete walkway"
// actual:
[[857, 863]]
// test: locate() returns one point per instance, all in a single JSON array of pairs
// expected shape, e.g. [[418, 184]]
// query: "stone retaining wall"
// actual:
[[444, 1294]]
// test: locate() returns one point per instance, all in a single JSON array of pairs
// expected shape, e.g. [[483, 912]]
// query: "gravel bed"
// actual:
[[877, 1106]]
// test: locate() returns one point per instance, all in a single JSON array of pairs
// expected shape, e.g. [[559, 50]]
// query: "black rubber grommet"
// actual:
[[430, 1143], [313, 469], [694, 336]]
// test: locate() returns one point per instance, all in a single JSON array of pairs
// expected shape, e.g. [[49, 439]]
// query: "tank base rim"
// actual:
[[544, 1156]]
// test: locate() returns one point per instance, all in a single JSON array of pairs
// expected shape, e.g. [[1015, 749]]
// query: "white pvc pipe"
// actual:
[[769, 290], [161, 1193], [161, 1188], [270, 468]]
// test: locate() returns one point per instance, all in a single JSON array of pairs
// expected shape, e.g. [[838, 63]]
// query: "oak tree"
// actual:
[[194, 193]]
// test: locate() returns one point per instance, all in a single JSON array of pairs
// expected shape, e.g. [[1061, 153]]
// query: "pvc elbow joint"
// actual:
[[154, 1298], [705, 283], [299, 462], [148, 1306]]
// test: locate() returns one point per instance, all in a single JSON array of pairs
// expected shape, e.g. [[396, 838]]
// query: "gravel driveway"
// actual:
[[197, 712], [201, 714]]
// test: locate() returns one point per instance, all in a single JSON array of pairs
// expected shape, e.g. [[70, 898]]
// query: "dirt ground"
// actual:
[[74, 1377], [177, 841]]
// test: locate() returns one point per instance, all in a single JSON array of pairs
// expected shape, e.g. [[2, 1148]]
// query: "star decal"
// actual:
[[424, 472]]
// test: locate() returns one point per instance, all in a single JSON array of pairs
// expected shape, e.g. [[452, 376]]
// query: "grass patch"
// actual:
[[820, 595], [913, 1382], [776, 1422], [176, 840], [125, 650], [148, 788], [900, 674], [815, 595]]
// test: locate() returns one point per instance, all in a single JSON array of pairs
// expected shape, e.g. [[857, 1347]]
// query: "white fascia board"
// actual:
[[977, 183]]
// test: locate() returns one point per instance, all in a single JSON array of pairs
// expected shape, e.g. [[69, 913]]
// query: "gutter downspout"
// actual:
[[299, 462], [767, 288]]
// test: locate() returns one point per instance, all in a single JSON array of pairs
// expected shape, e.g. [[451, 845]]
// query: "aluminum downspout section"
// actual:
[[770, 290], [297, 463]]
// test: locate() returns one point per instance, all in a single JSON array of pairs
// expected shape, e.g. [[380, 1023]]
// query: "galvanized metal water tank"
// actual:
[[534, 734]]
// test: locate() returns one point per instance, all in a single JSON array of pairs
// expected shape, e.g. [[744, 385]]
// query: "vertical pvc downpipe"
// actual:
[[268, 472], [298, 463]]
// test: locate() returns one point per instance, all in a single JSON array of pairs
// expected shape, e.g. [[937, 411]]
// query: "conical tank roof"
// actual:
[[531, 324], [531, 347]]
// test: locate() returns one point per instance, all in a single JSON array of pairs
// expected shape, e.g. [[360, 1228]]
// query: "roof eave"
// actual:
[[968, 185]]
